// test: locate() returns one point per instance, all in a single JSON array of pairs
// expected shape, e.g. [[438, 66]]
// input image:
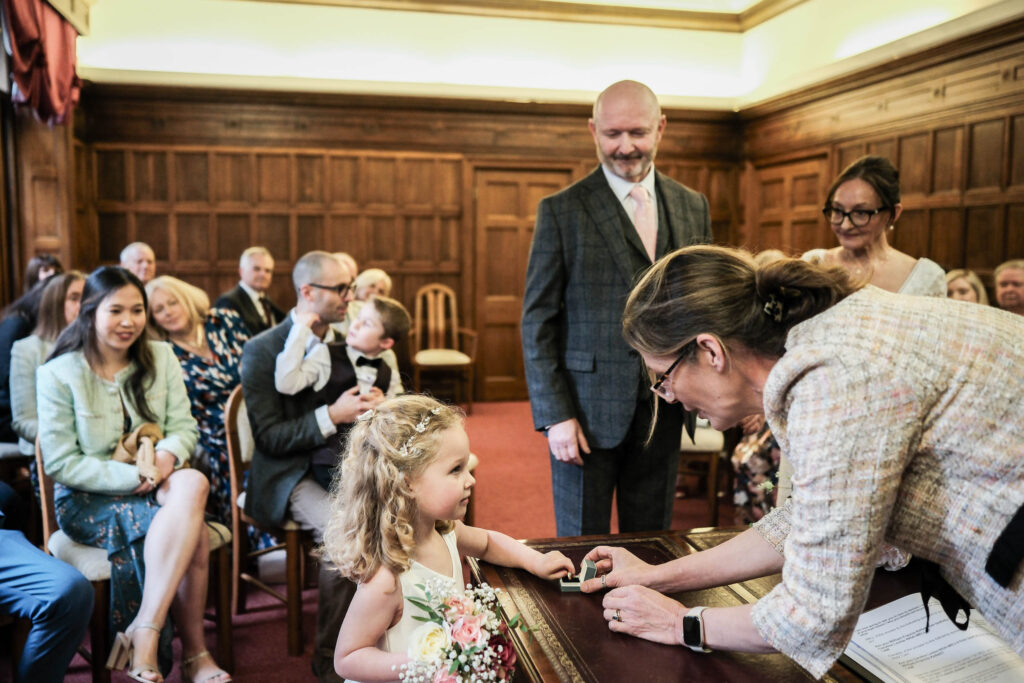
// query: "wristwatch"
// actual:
[[693, 630]]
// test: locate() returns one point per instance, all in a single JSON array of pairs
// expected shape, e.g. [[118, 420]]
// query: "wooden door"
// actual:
[[506, 206], [786, 205]]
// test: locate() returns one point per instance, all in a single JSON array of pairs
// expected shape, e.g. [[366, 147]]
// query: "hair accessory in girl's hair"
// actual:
[[420, 427], [367, 415], [773, 308]]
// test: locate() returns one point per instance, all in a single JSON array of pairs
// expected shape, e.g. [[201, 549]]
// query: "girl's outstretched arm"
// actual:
[[497, 548], [375, 607]]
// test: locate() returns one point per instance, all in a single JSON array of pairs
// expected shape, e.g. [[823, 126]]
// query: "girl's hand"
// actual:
[[552, 565], [621, 567], [644, 613]]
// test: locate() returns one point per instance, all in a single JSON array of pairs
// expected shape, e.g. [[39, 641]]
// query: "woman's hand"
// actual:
[[619, 567], [165, 462], [644, 613], [552, 565]]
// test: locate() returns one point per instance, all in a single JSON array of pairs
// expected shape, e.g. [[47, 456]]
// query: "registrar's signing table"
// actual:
[[570, 640]]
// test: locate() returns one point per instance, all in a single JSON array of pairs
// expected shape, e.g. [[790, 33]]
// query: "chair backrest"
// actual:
[[240, 441], [46, 498], [436, 317]]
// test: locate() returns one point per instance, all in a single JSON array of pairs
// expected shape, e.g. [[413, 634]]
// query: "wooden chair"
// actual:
[[94, 565], [297, 541], [701, 457], [438, 343]]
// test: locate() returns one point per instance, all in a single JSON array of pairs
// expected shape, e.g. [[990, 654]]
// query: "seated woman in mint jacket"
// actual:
[[103, 379]]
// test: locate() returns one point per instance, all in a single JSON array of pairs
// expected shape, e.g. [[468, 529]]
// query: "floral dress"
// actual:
[[209, 383]]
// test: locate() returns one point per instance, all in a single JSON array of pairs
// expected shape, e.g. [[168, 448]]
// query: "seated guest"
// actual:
[[367, 284], [348, 261], [249, 298], [105, 380], [862, 205], [889, 443], [208, 343], [50, 594], [1009, 278], [306, 361], [58, 306], [965, 285], [18, 320], [139, 259], [290, 430], [40, 267]]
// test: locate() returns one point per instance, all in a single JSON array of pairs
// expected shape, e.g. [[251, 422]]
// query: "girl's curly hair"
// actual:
[[372, 505]]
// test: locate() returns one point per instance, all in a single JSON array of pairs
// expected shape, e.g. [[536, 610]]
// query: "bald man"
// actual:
[[588, 390], [139, 258]]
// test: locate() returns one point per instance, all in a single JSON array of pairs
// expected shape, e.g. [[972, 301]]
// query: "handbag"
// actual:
[[139, 447]]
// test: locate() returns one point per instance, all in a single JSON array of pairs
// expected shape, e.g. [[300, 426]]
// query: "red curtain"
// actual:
[[42, 59]]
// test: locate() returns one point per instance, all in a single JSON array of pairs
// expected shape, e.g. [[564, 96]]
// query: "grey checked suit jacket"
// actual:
[[284, 428], [579, 276]]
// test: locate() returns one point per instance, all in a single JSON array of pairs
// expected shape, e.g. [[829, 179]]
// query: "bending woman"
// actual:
[[904, 421], [104, 379]]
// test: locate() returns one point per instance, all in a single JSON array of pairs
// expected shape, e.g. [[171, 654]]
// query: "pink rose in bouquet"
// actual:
[[468, 630], [457, 606]]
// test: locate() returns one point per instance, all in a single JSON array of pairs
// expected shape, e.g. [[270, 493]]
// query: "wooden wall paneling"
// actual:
[[947, 237], [787, 206], [914, 161], [985, 241], [1015, 230], [1016, 154], [948, 160], [985, 155], [504, 218]]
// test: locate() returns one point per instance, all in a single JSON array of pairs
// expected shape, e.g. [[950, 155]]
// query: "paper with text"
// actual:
[[890, 643]]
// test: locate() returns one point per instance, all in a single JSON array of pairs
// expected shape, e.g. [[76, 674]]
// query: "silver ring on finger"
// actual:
[[617, 616], [603, 583]]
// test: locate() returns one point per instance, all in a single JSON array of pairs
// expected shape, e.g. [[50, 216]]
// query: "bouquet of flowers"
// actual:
[[462, 638]]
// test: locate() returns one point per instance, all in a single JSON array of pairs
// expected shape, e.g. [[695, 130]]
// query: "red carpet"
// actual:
[[513, 495]]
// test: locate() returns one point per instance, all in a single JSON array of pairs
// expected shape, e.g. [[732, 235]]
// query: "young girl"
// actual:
[[395, 523]]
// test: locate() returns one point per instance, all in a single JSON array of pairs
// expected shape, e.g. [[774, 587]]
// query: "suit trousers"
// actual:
[[309, 504], [50, 594], [642, 477]]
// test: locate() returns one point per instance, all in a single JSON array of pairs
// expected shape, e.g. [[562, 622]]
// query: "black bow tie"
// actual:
[[375, 362]]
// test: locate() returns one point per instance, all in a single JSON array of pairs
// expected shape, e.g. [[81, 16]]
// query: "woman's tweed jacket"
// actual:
[[904, 420]]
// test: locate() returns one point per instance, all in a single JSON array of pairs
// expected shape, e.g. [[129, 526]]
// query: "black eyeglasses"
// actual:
[[341, 290], [659, 382], [858, 217]]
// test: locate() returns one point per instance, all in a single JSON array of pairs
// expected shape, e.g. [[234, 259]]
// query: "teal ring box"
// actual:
[[587, 572]]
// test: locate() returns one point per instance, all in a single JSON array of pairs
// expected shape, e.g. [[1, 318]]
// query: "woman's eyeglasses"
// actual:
[[659, 387], [858, 217]]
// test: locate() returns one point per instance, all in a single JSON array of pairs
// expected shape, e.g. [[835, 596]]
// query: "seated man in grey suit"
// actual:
[[588, 390], [249, 297], [290, 430]]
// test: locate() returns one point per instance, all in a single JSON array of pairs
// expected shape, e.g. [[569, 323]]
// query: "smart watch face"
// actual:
[[691, 631]]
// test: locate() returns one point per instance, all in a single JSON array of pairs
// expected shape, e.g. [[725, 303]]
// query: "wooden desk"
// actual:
[[571, 640]]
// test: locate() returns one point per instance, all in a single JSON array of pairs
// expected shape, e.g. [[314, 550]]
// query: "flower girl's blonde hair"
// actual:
[[372, 505]]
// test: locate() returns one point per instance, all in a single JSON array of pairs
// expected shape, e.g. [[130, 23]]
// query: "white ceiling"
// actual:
[[313, 46]]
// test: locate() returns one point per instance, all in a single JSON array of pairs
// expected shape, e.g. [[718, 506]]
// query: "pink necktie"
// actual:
[[644, 220]]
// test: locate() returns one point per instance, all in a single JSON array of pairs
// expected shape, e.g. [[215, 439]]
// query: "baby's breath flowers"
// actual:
[[462, 638]]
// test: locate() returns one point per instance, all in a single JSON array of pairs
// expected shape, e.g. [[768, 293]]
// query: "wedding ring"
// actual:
[[603, 584], [616, 616]]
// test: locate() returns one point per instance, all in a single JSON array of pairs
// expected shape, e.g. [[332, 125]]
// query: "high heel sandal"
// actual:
[[187, 674], [122, 653]]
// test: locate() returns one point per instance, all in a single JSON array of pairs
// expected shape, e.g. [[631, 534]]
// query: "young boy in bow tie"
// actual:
[[358, 365]]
